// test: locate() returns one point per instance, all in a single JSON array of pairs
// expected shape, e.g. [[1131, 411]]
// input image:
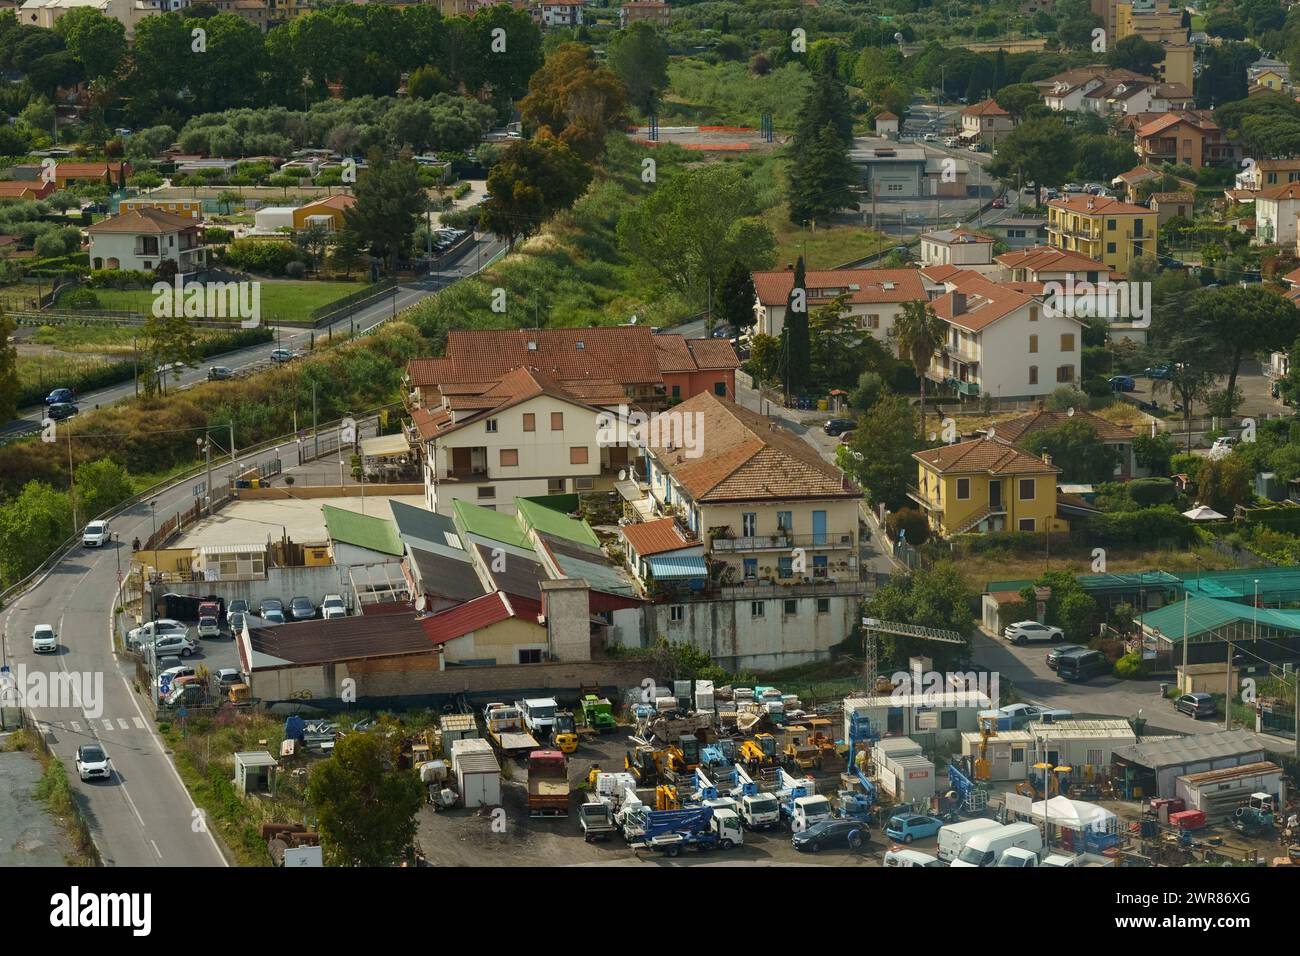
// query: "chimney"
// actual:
[[1047, 459], [1090, 202], [958, 303], [789, 267]]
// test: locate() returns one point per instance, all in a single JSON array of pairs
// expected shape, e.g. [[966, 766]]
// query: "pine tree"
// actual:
[[794, 335], [821, 179]]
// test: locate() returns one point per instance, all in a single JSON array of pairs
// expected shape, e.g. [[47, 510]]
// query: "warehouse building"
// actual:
[[1152, 769], [1218, 793]]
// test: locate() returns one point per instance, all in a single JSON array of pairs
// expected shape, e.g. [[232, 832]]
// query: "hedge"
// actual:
[[1148, 527], [1278, 519]]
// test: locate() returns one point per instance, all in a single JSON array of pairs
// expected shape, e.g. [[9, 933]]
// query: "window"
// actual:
[[509, 457], [821, 565], [1033, 344], [557, 421], [1094, 758], [1033, 313], [1027, 489], [1033, 375], [947, 720], [963, 489], [555, 486], [785, 521], [584, 484], [1110, 247], [871, 322], [791, 607], [530, 655], [1065, 373], [491, 426], [751, 567], [823, 605], [1067, 341], [785, 567], [1110, 225], [1026, 524], [578, 455], [677, 391], [486, 491], [749, 524], [720, 388], [757, 608], [530, 422], [676, 613]]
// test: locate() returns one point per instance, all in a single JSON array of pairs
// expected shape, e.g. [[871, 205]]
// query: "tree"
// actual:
[[32, 525], [575, 98], [99, 42], [1018, 98], [879, 455], [169, 343], [1137, 54], [934, 597], [736, 295], [827, 103], [869, 390], [531, 182], [640, 57], [795, 346], [822, 178], [1245, 321], [919, 332], [100, 485], [1223, 483], [312, 243], [9, 387], [1041, 151], [347, 251], [838, 351], [426, 81], [365, 805], [1077, 450], [389, 202], [1154, 452]]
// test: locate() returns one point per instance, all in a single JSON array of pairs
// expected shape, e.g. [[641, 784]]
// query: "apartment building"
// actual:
[[1275, 214], [1049, 264], [142, 239], [986, 485], [1184, 137], [1107, 230], [558, 13], [875, 296], [956, 247], [985, 122], [660, 14]]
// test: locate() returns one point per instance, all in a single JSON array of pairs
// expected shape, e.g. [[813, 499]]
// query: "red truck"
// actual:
[[548, 784]]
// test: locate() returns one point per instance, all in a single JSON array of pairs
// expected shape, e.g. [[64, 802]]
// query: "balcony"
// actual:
[[467, 474], [784, 541]]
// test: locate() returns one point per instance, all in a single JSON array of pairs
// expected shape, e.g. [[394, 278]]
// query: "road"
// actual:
[[296, 338]]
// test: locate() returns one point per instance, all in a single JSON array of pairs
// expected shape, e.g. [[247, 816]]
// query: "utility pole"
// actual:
[[315, 434], [1227, 692], [72, 484]]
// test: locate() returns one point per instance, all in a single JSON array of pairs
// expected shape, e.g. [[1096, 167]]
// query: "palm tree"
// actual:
[[919, 332]]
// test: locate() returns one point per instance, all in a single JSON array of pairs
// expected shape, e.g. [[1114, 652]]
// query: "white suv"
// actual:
[[143, 635], [332, 606], [44, 640], [1022, 632], [96, 534]]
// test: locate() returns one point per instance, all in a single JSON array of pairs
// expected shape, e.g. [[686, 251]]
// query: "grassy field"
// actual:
[[282, 300], [49, 371], [979, 569], [20, 295], [97, 339], [825, 247]]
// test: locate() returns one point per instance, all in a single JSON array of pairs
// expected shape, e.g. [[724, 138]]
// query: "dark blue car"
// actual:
[[59, 396], [1159, 371], [1122, 383]]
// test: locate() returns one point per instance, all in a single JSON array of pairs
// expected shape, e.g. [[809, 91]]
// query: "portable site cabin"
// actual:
[[457, 727], [255, 772], [1010, 753], [928, 718], [1087, 746], [1218, 793], [478, 775]]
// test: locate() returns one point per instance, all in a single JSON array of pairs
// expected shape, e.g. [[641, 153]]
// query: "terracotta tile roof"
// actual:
[[885, 115], [873, 285], [84, 170], [1286, 191], [1278, 165], [461, 620], [1049, 259], [338, 201], [983, 456], [145, 219], [623, 353], [1171, 197], [1072, 79], [1138, 175], [944, 273], [1172, 119], [987, 108], [984, 303], [1101, 206], [1292, 277], [20, 188], [746, 457], [655, 537], [1016, 429], [713, 354]]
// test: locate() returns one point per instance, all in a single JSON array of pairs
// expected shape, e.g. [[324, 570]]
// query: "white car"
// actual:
[[44, 640], [1223, 446], [208, 627], [96, 535], [92, 763], [143, 635], [1022, 632], [332, 606]]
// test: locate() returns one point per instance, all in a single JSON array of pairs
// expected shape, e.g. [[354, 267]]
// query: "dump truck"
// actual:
[[505, 730], [598, 714], [548, 784]]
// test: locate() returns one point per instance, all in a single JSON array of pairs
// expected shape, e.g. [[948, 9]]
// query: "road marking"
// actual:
[[155, 849], [139, 724], [76, 727], [108, 724], [121, 722]]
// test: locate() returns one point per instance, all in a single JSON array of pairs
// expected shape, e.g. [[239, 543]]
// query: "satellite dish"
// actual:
[[622, 474], [898, 38], [421, 602], [992, 433], [633, 321]]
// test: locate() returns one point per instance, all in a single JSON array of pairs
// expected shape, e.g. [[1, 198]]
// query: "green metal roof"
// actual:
[[1208, 614], [1276, 585], [548, 521], [362, 531], [1125, 581], [490, 524]]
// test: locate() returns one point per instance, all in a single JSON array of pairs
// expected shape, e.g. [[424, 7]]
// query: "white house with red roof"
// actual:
[[875, 297], [1275, 214], [957, 247], [985, 122]]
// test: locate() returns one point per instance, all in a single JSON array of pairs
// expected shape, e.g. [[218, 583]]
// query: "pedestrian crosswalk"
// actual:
[[89, 725]]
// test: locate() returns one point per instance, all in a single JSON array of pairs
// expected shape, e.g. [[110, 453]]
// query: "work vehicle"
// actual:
[[758, 810], [177, 644], [218, 373], [332, 606], [986, 849], [1016, 716], [1256, 815], [1196, 706], [1022, 632], [538, 714], [670, 831], [1060, 650], [598, 714], [564, 732], [93, 763], [302, 609], [61, 396], [897, 856], [96, 535], [1122, 383], [281, 356], [61, 411], [597, 820], [44, 640], [953, 837], [505, 730], [758, 751], [838, 426], [1082, 666], [808, 811], [1018, 856], [548, 784], [909, 826], [830, 833]]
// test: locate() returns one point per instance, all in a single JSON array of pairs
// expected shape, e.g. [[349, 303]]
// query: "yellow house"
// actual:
[[189, 208], [327, 212], [1116, 233], [985, 485]]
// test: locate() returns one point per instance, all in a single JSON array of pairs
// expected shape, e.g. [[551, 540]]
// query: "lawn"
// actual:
[[50, 371], [824, 247], [101, 339], [281, 300]]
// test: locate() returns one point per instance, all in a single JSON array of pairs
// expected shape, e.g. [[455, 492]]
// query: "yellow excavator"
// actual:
[[759, 751], [1048, 782]]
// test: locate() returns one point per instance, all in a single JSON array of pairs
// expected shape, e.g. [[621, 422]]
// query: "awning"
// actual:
[[690, 567], [385, 446]]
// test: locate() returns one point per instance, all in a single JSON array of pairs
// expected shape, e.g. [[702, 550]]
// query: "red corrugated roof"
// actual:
[[655, 537], [481, 612]]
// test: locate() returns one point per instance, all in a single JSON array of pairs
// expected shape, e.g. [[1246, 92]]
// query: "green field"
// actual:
[[52, 371], [99, 339], [282, 300]]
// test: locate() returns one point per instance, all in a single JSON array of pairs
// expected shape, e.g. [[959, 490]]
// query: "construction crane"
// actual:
[[872, 626]]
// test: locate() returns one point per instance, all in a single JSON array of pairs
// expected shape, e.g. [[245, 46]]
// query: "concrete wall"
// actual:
[[283, 583], [330, 491], [568, 619]]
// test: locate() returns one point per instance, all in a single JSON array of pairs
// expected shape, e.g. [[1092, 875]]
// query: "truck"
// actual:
[[954, 837], [598, 714], [548, 784], [596, 818], [1018, 856], [670, 831], [539, 715], [809, 811], [758, 810], [505, 730], [988, 847]]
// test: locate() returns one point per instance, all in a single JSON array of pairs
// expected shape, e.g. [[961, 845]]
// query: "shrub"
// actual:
[[82, 298], [1131, 667], [912, 523], [295, 270], [1152, 491], [255, 255], [120, 279]]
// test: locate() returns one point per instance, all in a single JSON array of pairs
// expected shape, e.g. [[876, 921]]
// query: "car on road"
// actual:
[[1056, 653], [930, 138], [1163, 370], [951, 141], [92, 763], [831, 833], [175, 644], [838, 426], [143, 635], [722, 332], [1122, 383], [219, 373], [999, 203], [909, 826], [44, 640], [1022, 632], [1083, 665], [302, 609], [1072, 188], [96, 535], [61, 411], [281, 356], [61, 396], [332, 606], [1196, 705]]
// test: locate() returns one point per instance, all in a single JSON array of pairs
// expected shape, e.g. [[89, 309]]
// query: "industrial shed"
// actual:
[[1086, 745], [1152, 769], [1217, 793]]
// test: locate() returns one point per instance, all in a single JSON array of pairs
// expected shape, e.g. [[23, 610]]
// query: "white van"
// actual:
[[807, 811], [1015, 856], [954, 836], [900, 856], [986, 849]]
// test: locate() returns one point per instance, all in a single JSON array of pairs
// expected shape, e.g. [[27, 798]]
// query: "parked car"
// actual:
[[143, 635], [226, 678], [909, 826], [302, 609], [184, 695], [280, 356], [1222, 445], [61, 411], [44, 640], [999, 203], [1196, 706], [175, 644], [236, 622], [951, 141], [96, 534], [237, 606], [273, 616], [850, 833], [838, 426], [332, 606], [1159, 371], [208, 627], [1082, 666], [219, 372], [1022, 632], [1055, 653], [1016, 716], [269, 604], [92, 763], [900, 857], [1122, 383]]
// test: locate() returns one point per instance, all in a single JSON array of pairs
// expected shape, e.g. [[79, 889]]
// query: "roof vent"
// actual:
[[580, 345], [854, 287], [532, 346], [887, 285]]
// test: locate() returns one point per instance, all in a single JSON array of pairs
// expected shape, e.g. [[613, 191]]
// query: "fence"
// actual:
[[330, 312]]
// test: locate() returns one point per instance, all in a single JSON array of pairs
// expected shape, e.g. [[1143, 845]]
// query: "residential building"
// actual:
[[1065, 92], [142, 239], [1116, 233], [1118, 439], [256, 12], [185, 208], [46, 13], [558, 13], [1166, 206], [887, 124], [1266, 173], [986, 485], [1018, 232], [985, 122], [1184, 137], [957, 247], [1049, 264], [1275, 214], [875, 297], [326, 212], [660, 14], [649, 544], [18, 190], [1131, 180], [70, 173], [691, 366]]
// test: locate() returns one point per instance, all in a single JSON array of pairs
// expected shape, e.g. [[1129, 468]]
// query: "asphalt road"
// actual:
[[243, 360]]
